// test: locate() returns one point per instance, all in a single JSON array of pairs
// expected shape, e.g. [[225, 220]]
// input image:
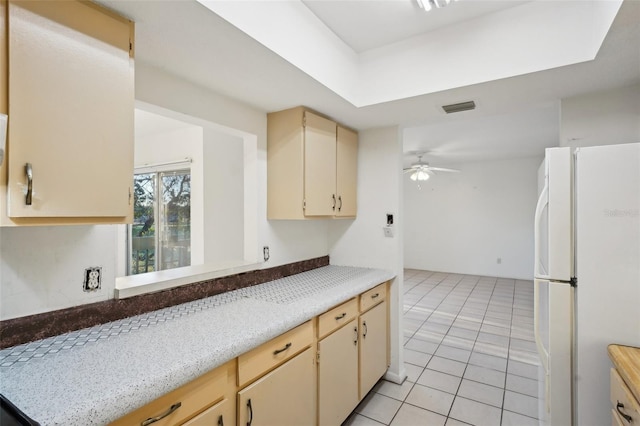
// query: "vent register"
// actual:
[[459, 107]]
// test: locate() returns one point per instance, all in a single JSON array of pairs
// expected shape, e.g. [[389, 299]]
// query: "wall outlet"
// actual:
[[265, 253], [92, 279]]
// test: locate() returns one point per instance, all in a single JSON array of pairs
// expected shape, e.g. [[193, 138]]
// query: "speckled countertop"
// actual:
[[96, 375]]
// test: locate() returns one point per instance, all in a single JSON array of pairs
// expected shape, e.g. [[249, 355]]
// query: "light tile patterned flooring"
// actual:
[[469, 353]]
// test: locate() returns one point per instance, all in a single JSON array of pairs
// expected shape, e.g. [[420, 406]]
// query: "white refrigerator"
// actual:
[[587, 277]]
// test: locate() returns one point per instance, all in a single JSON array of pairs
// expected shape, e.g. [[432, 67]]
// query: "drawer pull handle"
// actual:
[[375, 296], [625, 416], [220, 421], [277, 351], [28, 169], [250, 412], [171, 409], [339, 317], [364, 325]]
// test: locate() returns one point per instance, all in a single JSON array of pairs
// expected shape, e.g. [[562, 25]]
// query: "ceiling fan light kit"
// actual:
[[422, 171], [427, 5], [420, 175]]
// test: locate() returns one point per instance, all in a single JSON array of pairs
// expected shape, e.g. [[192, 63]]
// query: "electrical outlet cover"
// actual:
[[92, 279]]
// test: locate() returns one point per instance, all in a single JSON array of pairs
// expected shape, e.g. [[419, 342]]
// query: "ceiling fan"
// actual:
[[421, 170]]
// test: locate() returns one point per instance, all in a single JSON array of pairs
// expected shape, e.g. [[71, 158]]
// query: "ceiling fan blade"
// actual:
[[440, 169]]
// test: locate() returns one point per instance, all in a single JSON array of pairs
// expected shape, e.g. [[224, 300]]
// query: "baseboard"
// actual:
[[397, 378]]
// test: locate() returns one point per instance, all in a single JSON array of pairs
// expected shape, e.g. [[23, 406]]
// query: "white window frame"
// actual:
[[183, 165]]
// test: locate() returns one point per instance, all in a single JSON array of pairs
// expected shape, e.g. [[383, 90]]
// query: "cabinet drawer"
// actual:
[[373, 297], [337, 317], [221, 414], [615, 419], [182, 403], [273, 353], [620, 394]]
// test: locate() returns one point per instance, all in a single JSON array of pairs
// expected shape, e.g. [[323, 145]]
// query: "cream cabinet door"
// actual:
[[347, 172], [71, 106], [373, 347], [284, 397], [338, 375], [319, 166]]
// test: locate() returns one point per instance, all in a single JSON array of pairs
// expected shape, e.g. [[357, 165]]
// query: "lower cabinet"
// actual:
[[284, 397], [353, 357], [626, 408], [314, 374], [338, 375], [373, 347]]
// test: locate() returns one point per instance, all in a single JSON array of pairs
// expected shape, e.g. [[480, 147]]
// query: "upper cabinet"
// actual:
[[69, 74], [311, 166], [347, 172]]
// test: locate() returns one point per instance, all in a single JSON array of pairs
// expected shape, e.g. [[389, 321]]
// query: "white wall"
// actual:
[[463, 222], [601, 118], [224, 183], [41, 268], [361, 242]]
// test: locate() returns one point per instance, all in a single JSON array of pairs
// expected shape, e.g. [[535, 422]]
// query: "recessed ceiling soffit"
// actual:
[[533, 36]]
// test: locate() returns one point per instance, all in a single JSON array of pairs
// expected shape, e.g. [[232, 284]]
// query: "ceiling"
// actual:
[[358, 23], [516, 116]]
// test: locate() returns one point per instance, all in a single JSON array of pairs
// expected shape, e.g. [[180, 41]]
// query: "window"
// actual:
[[223, 166], [160, 236]]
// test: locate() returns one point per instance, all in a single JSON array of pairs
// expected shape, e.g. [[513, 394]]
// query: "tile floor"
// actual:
[[469, 353]]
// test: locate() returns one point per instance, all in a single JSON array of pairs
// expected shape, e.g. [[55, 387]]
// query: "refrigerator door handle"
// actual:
[[542, 351], [543, 202]]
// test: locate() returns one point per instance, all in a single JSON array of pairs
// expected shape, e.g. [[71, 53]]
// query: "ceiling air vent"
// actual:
[[462, 106]]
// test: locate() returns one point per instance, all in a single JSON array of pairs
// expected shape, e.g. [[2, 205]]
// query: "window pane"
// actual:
[[175, 220], [143, 235]]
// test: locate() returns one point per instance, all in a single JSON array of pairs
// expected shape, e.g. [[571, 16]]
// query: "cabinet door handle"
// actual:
[[333, 196], [339, 317], [28, 169], [171, 409], [364, 333], [340, 201], [250, 412], [277, 351], [355, 335], [220, 421], [627, 417]]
